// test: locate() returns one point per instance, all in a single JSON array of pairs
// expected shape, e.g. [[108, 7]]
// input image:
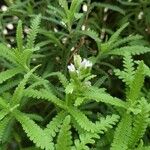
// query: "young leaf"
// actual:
[[64, 140], [33, 31], [19, 36], [136, 85]]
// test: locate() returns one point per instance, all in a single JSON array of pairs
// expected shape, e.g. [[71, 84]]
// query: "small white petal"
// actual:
[[71, 68], [8, 45], [140, 16], [4, 8], [55, 30], [57, 58], [34, 59], [5, 32], [64, 40], [15, 18], [63, 23], [86, 63], [72, 49], [12, 39], [105, 18], [105, 10], [26, 29], [10, 26], [83, 27], [84, 8]]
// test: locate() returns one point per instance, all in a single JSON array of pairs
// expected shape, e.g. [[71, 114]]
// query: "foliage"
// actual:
[[74, 75]]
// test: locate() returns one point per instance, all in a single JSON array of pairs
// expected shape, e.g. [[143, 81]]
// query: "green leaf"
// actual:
[[99, 95], [136, 85], [64, 140], [140, 123], [64, 4], [3, 125], [69, 89], [122, 133], [19, 36], [109, 6], [19, 90], [33, 131], [3, 113], [53, 127], [5, 75], [133, 50], [33, 31], [43, 94]]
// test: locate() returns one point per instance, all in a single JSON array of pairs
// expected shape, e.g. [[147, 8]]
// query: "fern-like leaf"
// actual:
[[140, 123], [33, 31], [136, 85], [53, 127], [19, 90], [106, 123], [99, 96], [7, 86], [3, 125], [61, 77], [128, 74], [6, 53], [133, 50], [64, 140], [85, 139], [3, 113], [82, 120], [19, 36], [122, 133], [33, 131], [43, 94], [5, 75]]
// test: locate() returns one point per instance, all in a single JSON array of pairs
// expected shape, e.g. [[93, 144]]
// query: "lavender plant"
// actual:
[[73, 81]]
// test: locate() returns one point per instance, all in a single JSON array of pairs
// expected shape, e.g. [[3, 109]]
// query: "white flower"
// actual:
[[83, 27], [15, 18], [71, 68], [12, 39], [10, 26], [8, 45], [4, 8], [105, 18], [84, 8], [86, 63], [5, 32], [140, 15], [63, 23], [72, 49], [64, 40], [26, 30], [55, 30], [105, 10]]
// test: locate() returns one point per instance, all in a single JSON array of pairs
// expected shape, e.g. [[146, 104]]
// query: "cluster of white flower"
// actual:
[[84, 64], [4, 8], [71, 68]]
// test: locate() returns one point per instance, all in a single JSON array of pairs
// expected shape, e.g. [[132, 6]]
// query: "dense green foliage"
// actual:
[[74, 75]]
